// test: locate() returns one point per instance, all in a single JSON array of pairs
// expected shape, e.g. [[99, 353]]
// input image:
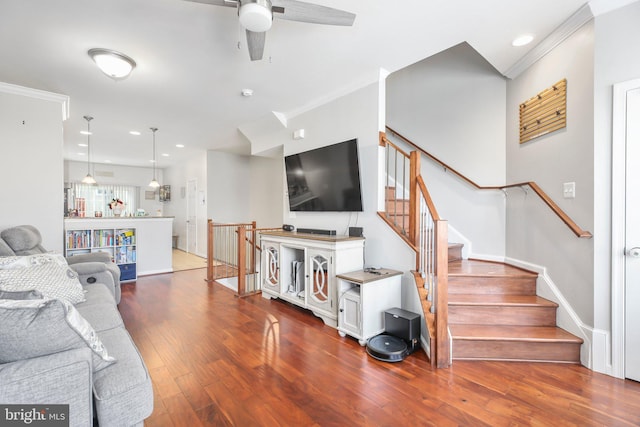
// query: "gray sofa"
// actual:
[[95, 367], [91, 268]]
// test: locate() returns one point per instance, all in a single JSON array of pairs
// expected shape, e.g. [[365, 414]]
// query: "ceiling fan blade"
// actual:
[[229, 3], [255, 43], [295, 10]]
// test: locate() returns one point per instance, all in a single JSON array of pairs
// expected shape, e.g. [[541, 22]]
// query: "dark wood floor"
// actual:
[[222, 361]]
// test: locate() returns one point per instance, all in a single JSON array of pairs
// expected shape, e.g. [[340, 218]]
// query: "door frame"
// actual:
[[195, 215], [618, 224]]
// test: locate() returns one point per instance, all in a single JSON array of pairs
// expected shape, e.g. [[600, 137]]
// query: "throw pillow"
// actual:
[[37, 327], [48, 273]]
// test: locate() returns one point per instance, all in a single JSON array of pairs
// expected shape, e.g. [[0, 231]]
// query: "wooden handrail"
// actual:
[[577, 230], [427, 197]]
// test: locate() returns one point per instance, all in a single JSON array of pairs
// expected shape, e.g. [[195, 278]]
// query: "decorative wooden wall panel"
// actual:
[[544, 113]]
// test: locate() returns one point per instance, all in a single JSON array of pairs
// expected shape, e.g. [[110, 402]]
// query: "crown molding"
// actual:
[[38, 94], [560, 34]]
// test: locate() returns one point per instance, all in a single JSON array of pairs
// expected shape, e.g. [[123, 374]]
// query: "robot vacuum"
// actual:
[[387, 348]]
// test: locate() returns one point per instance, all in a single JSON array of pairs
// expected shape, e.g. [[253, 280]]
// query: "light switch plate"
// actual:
[[569, 190]]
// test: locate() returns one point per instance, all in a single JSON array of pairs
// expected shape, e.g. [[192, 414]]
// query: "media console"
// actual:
[[301, 268]]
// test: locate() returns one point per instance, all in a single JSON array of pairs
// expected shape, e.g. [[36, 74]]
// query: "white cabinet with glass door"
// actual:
[[301, 269], [271, 268], [321, 281]]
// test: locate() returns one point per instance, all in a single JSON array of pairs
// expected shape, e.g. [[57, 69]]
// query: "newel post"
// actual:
[[209, 250], [242, 260]]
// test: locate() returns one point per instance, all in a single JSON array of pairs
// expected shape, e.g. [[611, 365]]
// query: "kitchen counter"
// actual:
[[153, 238]]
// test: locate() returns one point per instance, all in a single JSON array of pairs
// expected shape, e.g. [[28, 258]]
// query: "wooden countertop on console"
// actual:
[[309, 236], [366, 276], [79, 218]]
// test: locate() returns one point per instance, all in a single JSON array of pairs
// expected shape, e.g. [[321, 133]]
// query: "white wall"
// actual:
[[534, 233], [177, 176], [352, 116], [266, 177], [32, 190], [228, 184], [105, 173], [453, 106], [616, 60]]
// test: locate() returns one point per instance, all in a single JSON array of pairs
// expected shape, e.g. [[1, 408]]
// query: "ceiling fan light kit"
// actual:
[[114, 64], [255, 15]]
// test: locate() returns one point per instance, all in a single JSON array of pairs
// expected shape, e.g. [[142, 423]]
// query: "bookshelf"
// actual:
[[119, 243]]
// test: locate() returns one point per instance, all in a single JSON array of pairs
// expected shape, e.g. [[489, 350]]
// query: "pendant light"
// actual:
[[88, 179], [154, 182]]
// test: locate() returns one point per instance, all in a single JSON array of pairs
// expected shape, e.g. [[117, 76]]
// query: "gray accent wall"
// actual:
[[534, 233], [453, 106]]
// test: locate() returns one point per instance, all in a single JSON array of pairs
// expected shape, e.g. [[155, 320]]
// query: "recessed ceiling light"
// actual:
[[180, 145], [152, 161], [247, 92], [522, 40], [82, 144], [165, 155], [84, 132], [134, 132]]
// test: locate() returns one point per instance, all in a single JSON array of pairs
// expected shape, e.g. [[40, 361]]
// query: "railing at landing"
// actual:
[[233, 251]]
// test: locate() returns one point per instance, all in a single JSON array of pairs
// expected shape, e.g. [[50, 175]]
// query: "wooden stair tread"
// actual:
[[500, 300], [512, 333], [478, 268]]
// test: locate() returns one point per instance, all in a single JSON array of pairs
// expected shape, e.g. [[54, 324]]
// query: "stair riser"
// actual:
[[500, 315], [492, 285], [516, 350], [397, 206], [455, 253]]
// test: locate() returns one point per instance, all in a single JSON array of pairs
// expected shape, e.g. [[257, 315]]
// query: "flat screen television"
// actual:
[[326, 179]]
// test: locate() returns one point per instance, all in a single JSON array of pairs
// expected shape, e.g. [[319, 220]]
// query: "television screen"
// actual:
[[326, 179]]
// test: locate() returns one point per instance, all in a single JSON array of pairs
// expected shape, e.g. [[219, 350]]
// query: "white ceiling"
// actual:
[[191, 70]]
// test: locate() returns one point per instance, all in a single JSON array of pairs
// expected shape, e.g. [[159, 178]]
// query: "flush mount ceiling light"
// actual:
[[114, 64], [255, 15], [154, 182], [522, 40], [88, 179]]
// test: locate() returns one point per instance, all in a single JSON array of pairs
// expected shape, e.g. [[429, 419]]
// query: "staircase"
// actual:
[[494, 314], [473, 310]]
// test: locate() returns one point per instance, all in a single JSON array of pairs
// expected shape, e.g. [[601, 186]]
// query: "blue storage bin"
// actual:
[[127, 272]]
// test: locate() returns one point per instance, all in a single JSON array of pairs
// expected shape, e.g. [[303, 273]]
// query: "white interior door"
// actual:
[[192, 216], [632, 238]]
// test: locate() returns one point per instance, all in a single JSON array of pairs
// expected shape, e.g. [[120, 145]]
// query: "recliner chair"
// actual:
[[91, 267]]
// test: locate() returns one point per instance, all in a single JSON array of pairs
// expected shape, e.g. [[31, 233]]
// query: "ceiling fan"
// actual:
[[256, 17]]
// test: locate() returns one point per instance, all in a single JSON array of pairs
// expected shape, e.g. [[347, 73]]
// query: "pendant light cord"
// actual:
[[88, 119], [154, 152]]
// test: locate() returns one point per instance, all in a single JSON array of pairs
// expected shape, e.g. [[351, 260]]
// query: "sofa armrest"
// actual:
[[60, 378], [102, 257], [95, 272], [85, 268]]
